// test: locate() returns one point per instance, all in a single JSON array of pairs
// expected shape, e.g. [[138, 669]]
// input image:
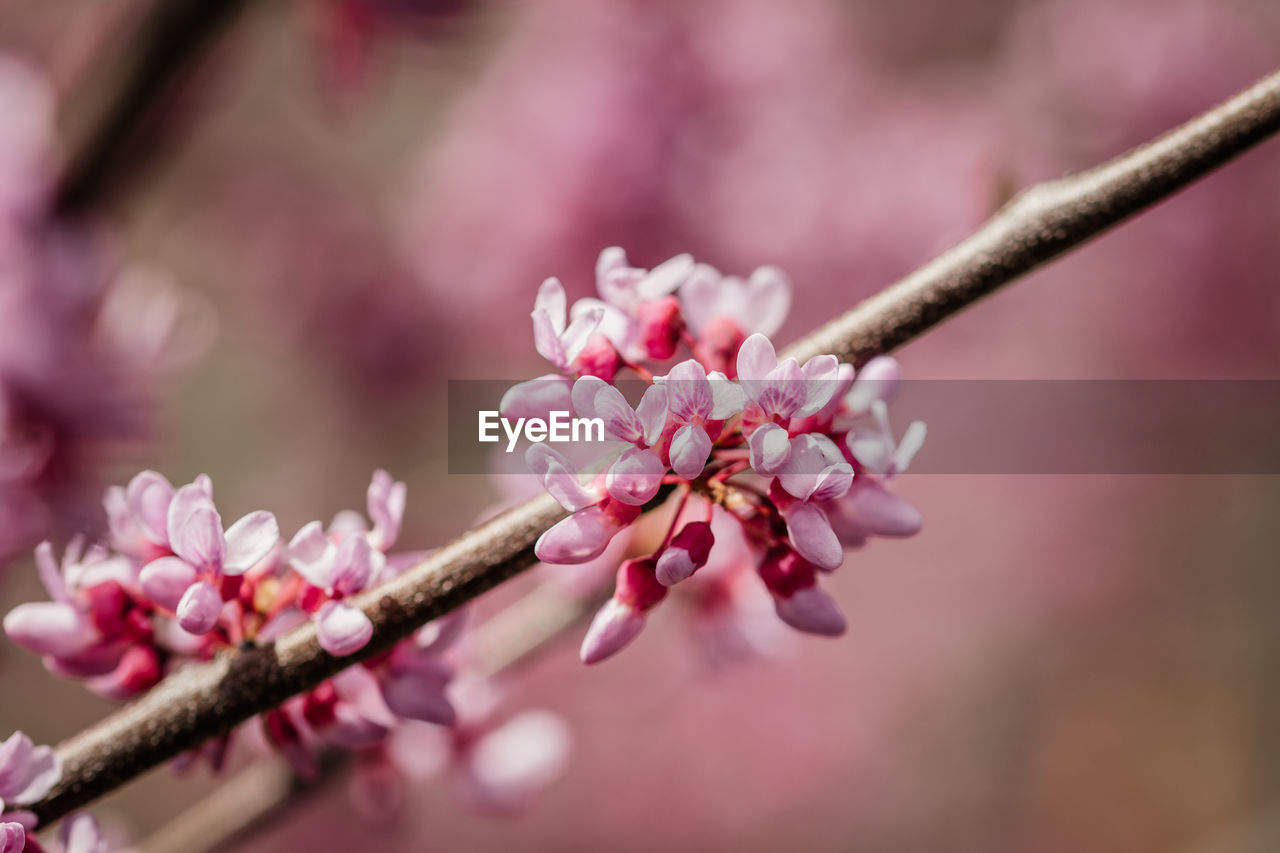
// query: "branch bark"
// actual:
[[202, 701]]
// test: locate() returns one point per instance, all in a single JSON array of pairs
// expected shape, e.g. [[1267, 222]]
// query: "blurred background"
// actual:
[[346, 203]]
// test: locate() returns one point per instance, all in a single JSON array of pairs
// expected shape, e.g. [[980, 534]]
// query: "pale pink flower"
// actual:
[[203, 553], [557, 341], [784, 389]]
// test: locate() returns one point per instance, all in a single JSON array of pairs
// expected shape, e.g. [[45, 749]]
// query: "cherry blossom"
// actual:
[[796, 459]]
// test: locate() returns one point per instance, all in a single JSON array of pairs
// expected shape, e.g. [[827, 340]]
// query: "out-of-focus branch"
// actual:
[[258, 795], [202, 701], [168, 46]]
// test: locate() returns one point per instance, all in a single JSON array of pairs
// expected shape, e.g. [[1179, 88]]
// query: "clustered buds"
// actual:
[[174, 586], [800, 457]]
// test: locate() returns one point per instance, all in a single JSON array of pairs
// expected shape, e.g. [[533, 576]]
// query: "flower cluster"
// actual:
[[27, 773], [173, 585], [800, 456]]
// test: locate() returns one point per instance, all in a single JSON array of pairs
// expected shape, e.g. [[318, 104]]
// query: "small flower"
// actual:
[[622, 617], [688, 551], [638, 315], [815, 471], [557, 343], [797, 598], [759, 304], [874, 448], [696, 402], [337, 571], [27, 771], [784, 389], [338, 563], [203, 554]]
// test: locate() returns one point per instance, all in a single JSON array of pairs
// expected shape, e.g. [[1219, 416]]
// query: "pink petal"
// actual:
[[614, 626], [770, 449], [583, 395], [811, 534], [149, 495], [870, 509], [756, 359], [909, 446], [833, 482], [80, 834], [821, 382], [652, 413], [813, 611], [547, 340], [559, 478], [50, 628], [811, 455], [579, 538], [688, 552], [51, 573], [514, 761], [353, 565], [727, 396], [15, 754], [688, 391], [185, 500], [783, 391], [41, 770], [311, 554], [620, 420], [766, 301], [200, 540], [579, 332], [419, 692], [249, 540], [635, 477], [537, 398], [551, 302], [877, 380], [199, 608], [165, 580], [342, 629], [699, 296], [665, 277], [13, 838], [690, 447]]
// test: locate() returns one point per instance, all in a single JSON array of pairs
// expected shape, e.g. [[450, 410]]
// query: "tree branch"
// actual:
[[202, 701], [170, 43]]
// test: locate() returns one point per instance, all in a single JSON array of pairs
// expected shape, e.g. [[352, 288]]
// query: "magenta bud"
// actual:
[[688, 552], [661, 326], [615, 625]]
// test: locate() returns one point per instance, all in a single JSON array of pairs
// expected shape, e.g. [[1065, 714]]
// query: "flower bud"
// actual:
[[688, 552]]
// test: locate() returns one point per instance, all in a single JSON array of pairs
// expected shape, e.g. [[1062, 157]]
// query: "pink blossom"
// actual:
[[696, 401], [798, 599], [338, 563], [784, 390], [687, 552], [27, 771], [558, 342], [622, 617], [759, 304], [203, 554]]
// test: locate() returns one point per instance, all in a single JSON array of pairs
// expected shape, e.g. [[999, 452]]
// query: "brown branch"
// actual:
[[171, 41], [267, 790], [203, 701]]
